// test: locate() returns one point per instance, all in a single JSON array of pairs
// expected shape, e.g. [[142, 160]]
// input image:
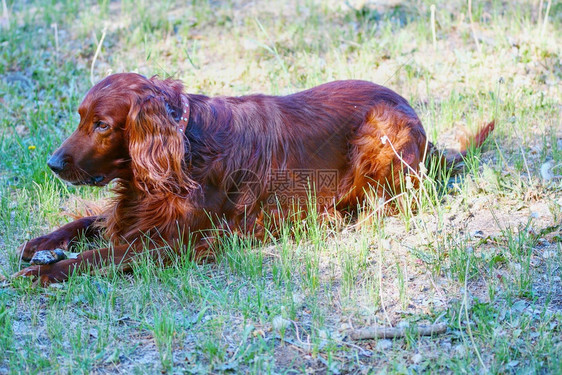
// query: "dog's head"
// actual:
[[128, 130]]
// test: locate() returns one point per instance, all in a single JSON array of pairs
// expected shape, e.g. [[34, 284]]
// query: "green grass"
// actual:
[[483, 252]]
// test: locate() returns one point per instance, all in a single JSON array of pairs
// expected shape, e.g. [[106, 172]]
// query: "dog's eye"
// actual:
[[101, 126]]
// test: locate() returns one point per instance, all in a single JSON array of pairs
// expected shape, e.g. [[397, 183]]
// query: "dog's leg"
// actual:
[[61, 238], [88, 261]]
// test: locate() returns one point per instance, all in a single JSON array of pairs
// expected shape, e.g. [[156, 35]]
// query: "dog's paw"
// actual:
[[43, 275], [46, 242]]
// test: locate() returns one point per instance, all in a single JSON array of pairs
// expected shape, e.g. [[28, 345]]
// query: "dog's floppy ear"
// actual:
[[157, 148]]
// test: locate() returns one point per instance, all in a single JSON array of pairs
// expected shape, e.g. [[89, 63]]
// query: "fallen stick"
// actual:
[[381, 332]]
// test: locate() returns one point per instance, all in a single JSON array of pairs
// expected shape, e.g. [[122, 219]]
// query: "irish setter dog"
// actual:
[[185, 164]]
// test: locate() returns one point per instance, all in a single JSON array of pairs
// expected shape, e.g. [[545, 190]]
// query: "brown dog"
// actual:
[[187, 164]]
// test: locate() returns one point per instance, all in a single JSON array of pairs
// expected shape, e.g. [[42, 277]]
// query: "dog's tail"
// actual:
[[453, 160]]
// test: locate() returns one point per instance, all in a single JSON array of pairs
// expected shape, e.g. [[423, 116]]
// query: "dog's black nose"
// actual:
[[57, 163]]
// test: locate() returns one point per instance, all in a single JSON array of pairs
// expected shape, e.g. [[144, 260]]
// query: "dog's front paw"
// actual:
[[43, 275], [46, 242]]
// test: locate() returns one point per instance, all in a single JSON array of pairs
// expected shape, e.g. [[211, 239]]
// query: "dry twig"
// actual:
[[478, 48], [98, 49], [382, 332], [433, 26]]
